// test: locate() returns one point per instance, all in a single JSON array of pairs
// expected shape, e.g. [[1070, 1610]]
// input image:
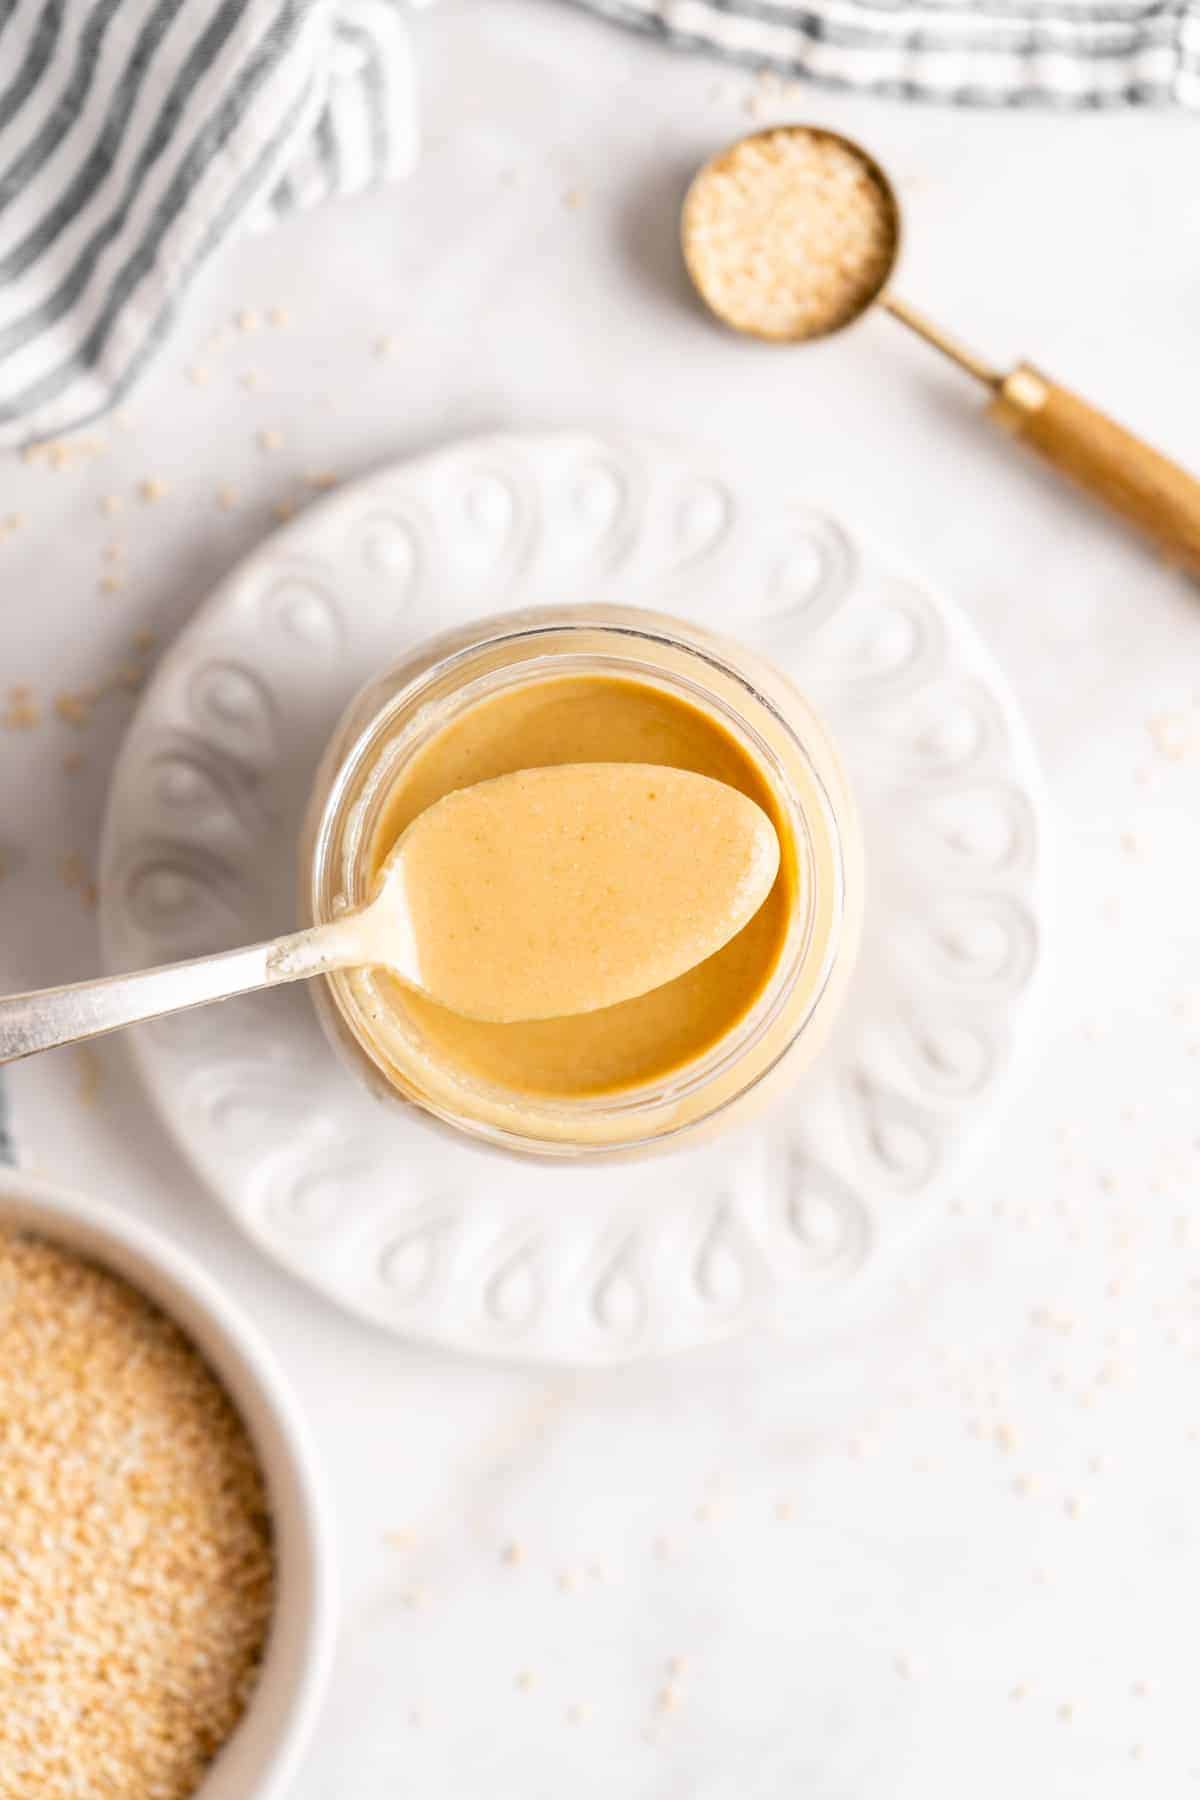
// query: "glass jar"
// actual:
[[395, 718]]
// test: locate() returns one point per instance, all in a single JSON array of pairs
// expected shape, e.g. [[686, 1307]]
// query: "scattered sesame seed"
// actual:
[[321, 479], [784, 1510], [513, 1553], [75, 708], [227, 497], [284, 510], [1073, 1506], [111, 505], [198, 375], [568, 1581], [573, 198], [249, 379], [270, 440], [399, 1540], [1175, 735], [1025, 1485], [578, 1713], [1020, 1692], [385, 347], [525, 1680], [669, 1698], [91, 1074], [1005, 1437], [112, 584], [152, 490], [414, 1599], [22, 712], [278, 316], [1066, 1713], [1136, 1752], [247, 320], [676, 1665]]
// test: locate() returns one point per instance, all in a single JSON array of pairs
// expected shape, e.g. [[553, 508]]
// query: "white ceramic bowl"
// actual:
[[264, 1750]]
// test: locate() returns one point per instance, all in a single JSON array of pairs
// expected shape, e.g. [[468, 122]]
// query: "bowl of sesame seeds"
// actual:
[[166, 1595]]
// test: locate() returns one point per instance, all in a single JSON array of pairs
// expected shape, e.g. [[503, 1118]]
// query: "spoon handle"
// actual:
[[65, 1015]]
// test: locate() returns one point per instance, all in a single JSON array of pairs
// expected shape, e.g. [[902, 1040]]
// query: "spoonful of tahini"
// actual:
[[535, 895]]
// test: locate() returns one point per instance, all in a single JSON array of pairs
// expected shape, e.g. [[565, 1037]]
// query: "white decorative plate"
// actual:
[[443, 1241]]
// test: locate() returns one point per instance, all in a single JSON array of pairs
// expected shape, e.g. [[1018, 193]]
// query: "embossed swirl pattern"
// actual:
[[459, 1251]]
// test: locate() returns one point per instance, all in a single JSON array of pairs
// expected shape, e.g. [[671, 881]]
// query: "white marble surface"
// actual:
[[942, 1547]]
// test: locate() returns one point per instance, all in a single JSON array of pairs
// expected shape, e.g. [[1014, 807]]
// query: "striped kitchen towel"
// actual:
[[136, 136], [1087, 53]]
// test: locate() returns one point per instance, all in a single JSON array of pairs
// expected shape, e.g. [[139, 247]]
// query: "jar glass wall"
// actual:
[[589, 1091]]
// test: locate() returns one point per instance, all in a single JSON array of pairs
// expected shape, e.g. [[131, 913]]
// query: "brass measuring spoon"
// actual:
[[1146, 488]]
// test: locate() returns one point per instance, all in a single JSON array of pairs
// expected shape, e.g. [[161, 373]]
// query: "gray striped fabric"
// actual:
[[136, 136], [1088, 53]]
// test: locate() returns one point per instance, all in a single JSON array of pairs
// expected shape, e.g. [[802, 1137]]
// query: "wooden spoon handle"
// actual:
[[1147, 489]]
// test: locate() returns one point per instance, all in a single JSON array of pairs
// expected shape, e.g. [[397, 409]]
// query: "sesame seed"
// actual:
[[788, 234], [22, 711], [513, 1553], [247, 320], [133, 1506], [278, 316], [152, 490], [1066, 1713], [270, 440], [525, 1681]]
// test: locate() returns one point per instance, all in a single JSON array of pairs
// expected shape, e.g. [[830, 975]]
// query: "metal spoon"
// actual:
[[546, 892], [1132, 479]]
